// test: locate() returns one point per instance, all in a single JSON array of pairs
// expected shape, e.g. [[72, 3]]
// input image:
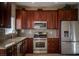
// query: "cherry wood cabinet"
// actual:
[[49, 16], [30, 19], [21, 19], [2, 52], [23, 47], [68, 14], [40, 15], [5, 15], [11, 51], [53, 45], [49, 20], [52, 19], [35, 16], [29, 45], [25, 19], [26, 46]]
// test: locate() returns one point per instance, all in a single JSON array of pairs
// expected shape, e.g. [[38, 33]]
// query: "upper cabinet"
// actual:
[[52, 19], [40, 15], [68, 14], [26, 18], [30, 19], [5, 15], [21, 19], [49, 16]]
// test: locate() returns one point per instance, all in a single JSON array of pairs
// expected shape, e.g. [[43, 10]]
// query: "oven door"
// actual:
[[40, 44]]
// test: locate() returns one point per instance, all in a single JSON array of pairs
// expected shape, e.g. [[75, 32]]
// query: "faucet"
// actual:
[[12, 34]]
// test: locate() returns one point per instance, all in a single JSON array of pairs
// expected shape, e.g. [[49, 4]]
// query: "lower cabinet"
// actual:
[[26, 46], [23, 47], [2, 52], [53, 45], [29, 45], [11, 51]]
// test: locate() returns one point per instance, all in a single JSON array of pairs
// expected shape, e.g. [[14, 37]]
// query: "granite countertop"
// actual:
[[10, 42]]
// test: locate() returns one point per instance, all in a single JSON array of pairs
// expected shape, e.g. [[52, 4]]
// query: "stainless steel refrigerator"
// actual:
[[70, 37]]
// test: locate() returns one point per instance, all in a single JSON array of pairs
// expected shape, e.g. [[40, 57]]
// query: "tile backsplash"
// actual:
[[29, 33], [4, 36]]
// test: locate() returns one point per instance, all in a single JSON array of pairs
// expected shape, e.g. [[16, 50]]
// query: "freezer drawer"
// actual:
[[67, 48], [77, 48], [70, 47]]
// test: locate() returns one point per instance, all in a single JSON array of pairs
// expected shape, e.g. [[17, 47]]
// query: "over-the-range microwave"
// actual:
[[40, 25]]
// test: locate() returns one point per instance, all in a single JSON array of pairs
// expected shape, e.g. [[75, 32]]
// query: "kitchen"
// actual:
[[28, 28]]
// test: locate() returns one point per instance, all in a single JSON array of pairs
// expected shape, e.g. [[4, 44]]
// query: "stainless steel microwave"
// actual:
[[40, 25]]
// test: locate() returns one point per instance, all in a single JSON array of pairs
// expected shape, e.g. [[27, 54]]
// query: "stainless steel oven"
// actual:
[[40, 45]]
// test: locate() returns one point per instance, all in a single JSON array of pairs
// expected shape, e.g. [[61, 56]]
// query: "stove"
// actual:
[[40, 42], [40, 37]]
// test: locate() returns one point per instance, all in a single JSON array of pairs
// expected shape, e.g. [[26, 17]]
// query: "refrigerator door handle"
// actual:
[[70, 31], [71, 36]]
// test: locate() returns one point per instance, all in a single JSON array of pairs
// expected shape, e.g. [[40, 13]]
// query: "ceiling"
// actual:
[[44, 4]]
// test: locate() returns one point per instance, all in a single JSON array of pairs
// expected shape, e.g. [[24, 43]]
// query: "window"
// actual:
[[12, 29]]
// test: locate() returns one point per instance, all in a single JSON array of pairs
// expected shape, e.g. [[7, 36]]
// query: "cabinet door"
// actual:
[[30, 19], [44, 15], [54, 19], [5, 15], [49, 20], [68, 15], [61, 14], [40, 15], [9, 51], [2, 52], [18, 19], [21, 19], [71, 14], [1, 14], [14, 50], [53, 45], [29, 45], [74, 14], [36, 16], [24, 19]]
